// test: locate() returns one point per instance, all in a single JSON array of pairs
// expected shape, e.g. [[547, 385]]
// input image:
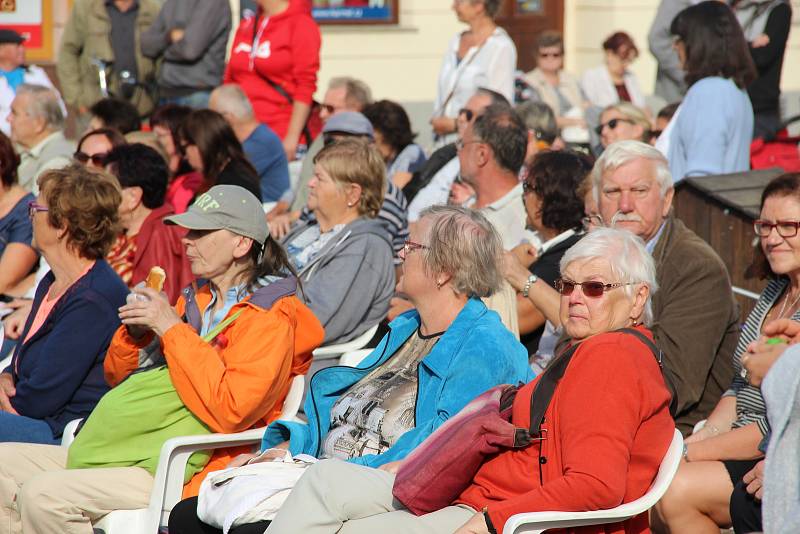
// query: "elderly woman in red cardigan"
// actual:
[[607, 425]]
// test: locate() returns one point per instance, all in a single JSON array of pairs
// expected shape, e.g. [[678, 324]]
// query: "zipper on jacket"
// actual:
[[314, 402]]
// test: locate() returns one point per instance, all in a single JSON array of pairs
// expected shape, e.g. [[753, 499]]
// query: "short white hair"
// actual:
[[44, 104], [626, 254], [230, 98], [623, 152]]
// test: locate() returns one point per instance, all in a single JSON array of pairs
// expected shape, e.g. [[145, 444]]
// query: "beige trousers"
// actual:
[[335, 496], [39, 496]]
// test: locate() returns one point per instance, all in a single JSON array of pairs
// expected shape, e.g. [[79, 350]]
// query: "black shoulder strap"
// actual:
[[669, 380], [543, 393], [648, 342]]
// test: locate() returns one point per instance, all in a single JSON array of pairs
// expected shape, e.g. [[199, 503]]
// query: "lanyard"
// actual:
[[220, 327], [256, 40]]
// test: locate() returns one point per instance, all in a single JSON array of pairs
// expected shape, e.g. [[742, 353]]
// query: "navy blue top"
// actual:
[[58, 372], [16, 226], [264, 149]]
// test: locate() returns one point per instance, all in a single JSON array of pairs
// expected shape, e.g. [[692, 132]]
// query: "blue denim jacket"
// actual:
[[476, 353]]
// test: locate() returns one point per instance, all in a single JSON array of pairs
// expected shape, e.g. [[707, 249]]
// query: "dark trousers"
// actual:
[[183, 520], [745, 510]]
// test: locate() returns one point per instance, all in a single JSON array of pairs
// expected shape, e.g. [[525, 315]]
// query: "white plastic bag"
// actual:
[[250, 493]]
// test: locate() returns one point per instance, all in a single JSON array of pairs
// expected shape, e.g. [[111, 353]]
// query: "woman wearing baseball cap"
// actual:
[[231, 347]]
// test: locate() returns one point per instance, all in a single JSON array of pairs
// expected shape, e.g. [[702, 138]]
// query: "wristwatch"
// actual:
[[528, 283]]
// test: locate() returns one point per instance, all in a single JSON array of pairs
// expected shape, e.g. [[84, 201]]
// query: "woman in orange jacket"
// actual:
[[230, 348]]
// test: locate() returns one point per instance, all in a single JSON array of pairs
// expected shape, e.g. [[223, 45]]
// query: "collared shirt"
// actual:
[[212, 318], [651, 245], [507, 215], [34, 160], [14, 77], [123, 37]]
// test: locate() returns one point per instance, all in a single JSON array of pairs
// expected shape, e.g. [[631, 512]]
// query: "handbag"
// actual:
[[435, 473], [249, 493]]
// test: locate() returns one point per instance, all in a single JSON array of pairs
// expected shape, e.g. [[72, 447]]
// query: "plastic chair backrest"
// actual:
[[535, 522]]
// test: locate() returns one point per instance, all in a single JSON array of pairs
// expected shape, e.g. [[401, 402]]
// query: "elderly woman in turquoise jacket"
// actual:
[[433, 361]]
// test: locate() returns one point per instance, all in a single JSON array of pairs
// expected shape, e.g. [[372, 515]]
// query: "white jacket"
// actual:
[[491, 66], [599, 89], [33, 75]]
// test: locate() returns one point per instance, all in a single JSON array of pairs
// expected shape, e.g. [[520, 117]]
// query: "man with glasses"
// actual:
[[430, 186], [696, 317]]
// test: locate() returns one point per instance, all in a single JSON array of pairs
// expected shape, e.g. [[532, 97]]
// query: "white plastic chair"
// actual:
[[168, 483], [354, 357], [334, 351], [535, 522]]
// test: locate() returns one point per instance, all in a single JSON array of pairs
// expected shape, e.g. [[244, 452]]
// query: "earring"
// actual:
[[439, 284]]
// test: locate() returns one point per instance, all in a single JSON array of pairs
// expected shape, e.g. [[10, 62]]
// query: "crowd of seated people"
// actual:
[[533, 244]]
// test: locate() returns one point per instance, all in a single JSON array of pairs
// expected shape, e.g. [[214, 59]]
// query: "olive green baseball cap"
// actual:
[[228, 207]]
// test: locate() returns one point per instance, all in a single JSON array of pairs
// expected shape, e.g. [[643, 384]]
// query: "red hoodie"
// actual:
[[283, 48]]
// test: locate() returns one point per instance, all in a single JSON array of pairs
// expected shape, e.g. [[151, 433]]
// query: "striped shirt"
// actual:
[[750, 407]]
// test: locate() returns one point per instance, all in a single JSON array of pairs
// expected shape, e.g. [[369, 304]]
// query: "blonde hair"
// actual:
[[633, 114], [356, 161]]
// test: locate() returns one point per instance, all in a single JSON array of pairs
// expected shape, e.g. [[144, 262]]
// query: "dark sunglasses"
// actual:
[[611, 124], [328, 108], [590, 288], [550, 54], [97, 159], [468, 114], [785, 228]]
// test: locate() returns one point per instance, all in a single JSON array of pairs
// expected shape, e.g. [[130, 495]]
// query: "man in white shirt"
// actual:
[[14, 72], [491, 152], [37, 124], [437, 189]]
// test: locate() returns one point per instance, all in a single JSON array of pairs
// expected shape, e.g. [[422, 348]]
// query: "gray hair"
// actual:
[[44, 104], [539, 118], [231, 99], [490, 6], [623, 152], [626, 254], [357, 93], [463, 244]]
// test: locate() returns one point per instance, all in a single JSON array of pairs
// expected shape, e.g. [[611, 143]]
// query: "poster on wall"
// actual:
[[33, 20], [25, 18], [355, 11]]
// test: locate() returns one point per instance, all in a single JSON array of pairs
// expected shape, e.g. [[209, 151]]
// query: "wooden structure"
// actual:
[[721, 209]]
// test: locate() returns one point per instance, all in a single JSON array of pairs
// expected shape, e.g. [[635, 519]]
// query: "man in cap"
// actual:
[[14, 72]]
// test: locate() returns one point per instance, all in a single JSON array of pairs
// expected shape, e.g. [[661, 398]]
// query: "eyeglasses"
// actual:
[[592, 220], [410, 246], [591, 288], [460, 143], [550, 54], [613, 123], [784, 228], [468, 114], [33, 207], [527, 187], [98, 159]]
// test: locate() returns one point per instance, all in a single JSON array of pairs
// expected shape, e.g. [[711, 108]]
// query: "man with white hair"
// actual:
[[37, 124], [262, 146], [696, 317]]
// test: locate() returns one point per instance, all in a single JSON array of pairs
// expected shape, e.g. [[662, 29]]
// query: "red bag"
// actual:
[[435, 473]]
